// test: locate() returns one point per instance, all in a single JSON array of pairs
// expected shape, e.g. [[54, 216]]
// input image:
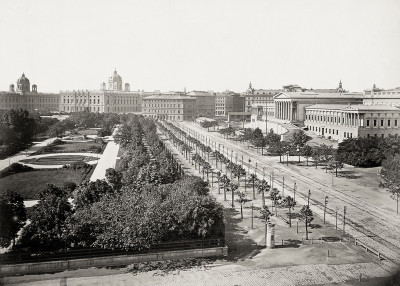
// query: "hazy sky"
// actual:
[[201, 45]]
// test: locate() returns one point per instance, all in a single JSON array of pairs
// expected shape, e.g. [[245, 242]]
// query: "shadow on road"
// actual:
[[240, 246]]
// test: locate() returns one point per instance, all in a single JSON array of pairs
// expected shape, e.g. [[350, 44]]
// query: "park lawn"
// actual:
[[89, 131], [30, 184], [72, 147], [58, 160]]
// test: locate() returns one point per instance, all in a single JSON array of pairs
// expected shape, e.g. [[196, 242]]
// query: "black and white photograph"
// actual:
[[188, 142]]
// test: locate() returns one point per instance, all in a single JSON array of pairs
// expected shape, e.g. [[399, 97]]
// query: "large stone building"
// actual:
[[341, 121], [23, 97], [205, 103], [110, 98], [258, 97], [290, 106], [389, 97], [169, 106], [228, 101]]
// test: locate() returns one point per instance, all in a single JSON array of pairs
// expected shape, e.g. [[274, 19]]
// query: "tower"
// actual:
[[340, 88]]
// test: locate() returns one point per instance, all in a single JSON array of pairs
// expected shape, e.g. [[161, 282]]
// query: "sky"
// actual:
[[200, 45]]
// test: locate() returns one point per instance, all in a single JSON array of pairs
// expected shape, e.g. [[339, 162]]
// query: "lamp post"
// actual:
[[308, 199], [344, 219], [294, 192], [326, 203]]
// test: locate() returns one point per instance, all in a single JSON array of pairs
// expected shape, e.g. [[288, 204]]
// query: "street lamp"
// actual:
[[308, 200], [344, 219]]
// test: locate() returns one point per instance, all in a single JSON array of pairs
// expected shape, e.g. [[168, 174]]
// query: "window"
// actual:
[[389, 122], [344, 134], [395, 122], [368, 135], [337, 132], [383, 136], [374, 122], [381, 122]]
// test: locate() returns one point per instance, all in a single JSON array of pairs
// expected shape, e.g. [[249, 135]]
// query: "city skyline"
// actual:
[[156, 45]]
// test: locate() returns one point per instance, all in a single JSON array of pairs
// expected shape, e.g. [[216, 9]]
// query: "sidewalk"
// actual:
[[24, 154], [107, 160]]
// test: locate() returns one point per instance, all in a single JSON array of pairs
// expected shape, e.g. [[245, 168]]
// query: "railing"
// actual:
[[25, 257]]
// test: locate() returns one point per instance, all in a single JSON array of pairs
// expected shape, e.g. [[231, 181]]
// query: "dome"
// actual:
[[115, 81], [23, 84]]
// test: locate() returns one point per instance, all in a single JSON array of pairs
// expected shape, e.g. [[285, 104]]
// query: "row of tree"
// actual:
[[143, 203], [237, 170], [18, 128]]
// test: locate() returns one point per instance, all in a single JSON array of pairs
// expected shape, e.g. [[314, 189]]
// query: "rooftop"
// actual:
[[355, 107], [167, 96], [309, 94]]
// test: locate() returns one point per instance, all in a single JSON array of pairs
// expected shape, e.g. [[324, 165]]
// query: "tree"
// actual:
[[219, 181], [277, 148], [48, 219], [275, 196], [242, 200], [114, 178], [266, 214], [263, 187], [316, 156], [258, 139], [299, 139], [390, 174], [88, 192], [232, 187], [225, 183], [335, 163], [12, 217], [306, 151], [306, 214], [272, 137], [253, 178], [326, 154], [366, 152], [289, 203], [259, 142]]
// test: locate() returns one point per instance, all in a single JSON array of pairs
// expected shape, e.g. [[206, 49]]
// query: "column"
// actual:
[[284, 110], [291, 111]]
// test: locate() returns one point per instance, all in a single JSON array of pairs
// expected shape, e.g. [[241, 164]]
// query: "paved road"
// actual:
[[24, 154], [107, 160], [374, 227], [223, 275]]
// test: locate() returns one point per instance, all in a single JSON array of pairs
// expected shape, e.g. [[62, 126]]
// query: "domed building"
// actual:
[[110, 98], [23, 97], [23, 84], [115, 81]]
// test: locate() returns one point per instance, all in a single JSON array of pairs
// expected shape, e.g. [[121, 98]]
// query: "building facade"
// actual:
[[259, 97], [226, 102], [23, 97], [110, 98], [340, 121], [389, 97], [290, 106], [258, 112], [169, 107], [205, 103]]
